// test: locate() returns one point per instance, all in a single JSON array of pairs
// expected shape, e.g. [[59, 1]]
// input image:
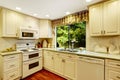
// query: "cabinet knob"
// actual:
[[12, 75], [52, 58], [16, 34], [118, 64], [104, 31], [118, 77], [63, 60]]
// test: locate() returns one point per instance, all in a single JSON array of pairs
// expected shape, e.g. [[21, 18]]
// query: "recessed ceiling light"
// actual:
[[47, 15], [88, 0], [35, 14], [67, 13], [18, 8]]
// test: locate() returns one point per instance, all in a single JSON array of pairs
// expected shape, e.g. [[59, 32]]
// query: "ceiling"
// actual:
[[54, 8]]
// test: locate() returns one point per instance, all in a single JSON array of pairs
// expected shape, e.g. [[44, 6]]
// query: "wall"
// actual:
[[102, 43], [7, 42]]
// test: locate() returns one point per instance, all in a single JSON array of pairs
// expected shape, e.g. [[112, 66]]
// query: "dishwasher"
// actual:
[[89, 68]]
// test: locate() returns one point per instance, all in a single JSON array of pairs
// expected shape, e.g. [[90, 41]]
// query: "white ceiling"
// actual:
[[55, 8]]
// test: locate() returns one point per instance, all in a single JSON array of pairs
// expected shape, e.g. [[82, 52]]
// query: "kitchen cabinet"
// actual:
[[112, 70], [90, 68], [63, 64], [10, 67], [95, 19], [49, 60], [45, 29], [58, 63], [104, 18], [8, 23], [30, 22], [11, 21], [69, 67]]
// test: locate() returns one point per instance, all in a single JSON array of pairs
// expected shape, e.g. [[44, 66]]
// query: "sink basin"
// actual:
[[68, 50]]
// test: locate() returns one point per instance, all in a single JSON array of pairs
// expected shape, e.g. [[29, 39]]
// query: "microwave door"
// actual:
[[27, 35]]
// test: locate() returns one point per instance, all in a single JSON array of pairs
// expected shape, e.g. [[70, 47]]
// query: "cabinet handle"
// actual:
[[12, 66], [58, 54], [16, 34], [12, 57], [70, 56], [104, 31], [118, 77], [101, 32], [118, 64], [63, 60], [12, 75], [52, 58]]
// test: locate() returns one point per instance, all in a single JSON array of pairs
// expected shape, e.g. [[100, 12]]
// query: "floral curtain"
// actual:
[[73, 18]]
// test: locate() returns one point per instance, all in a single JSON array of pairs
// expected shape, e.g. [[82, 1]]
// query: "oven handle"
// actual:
[[33, 58]]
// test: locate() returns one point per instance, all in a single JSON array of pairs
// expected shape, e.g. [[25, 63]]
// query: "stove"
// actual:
[[32, 58]]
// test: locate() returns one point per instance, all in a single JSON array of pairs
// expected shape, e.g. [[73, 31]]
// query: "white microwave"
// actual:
[[27, 33]]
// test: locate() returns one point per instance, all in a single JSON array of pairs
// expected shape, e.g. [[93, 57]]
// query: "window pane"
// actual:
[[72, 33], [77, 34], [62, 36]]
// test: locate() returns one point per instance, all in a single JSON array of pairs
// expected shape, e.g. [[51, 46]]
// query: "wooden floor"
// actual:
[[44, 75]]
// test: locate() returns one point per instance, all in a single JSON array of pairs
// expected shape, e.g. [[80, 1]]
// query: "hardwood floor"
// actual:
[[44, 75]]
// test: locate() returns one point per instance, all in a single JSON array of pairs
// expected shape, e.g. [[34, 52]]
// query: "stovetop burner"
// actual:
[[28, 50]]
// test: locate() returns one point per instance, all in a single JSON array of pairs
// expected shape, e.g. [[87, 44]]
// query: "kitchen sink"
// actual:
[[67, 50]]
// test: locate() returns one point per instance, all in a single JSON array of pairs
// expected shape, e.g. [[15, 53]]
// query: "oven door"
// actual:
[[31, 55], [31, 66]]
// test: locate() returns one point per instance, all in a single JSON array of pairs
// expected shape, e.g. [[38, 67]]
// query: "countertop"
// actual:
[[89, 53], [9, 53]]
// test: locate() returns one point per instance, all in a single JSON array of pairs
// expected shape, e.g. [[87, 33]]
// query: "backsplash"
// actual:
[[107, 44], [7, 42]]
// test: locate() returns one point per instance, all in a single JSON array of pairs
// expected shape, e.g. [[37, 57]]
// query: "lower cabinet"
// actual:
[[63, 64], [48, 60], [10, 67], [58, 63], [112, 70]]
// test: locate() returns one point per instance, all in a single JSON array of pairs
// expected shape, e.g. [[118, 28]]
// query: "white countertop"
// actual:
[[89, 53]]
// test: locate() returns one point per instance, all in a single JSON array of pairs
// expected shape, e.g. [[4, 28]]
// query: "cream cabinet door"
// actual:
[[113, 75], [111, 17], [58, 64], [9, 23], [96, 19], [45, 29], [48, 60], [70, 68]]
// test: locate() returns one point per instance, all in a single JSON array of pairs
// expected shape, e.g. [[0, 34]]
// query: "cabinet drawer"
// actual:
[[113, 63], [69, 56], [12, 74], [11, 64], [11, 57], [114, 75]]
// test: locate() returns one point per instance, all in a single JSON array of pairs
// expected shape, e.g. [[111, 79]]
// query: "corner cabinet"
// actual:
[[104, 18], [45, 29]]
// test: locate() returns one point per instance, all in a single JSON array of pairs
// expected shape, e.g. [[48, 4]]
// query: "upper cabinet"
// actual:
[[104, 18], [95, 18], [10, 21], [45, 29]]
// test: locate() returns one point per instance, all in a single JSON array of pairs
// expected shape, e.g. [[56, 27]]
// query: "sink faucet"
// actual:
[[73, 42]]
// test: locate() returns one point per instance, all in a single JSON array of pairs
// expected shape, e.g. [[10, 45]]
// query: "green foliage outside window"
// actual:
[[76, 32]]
